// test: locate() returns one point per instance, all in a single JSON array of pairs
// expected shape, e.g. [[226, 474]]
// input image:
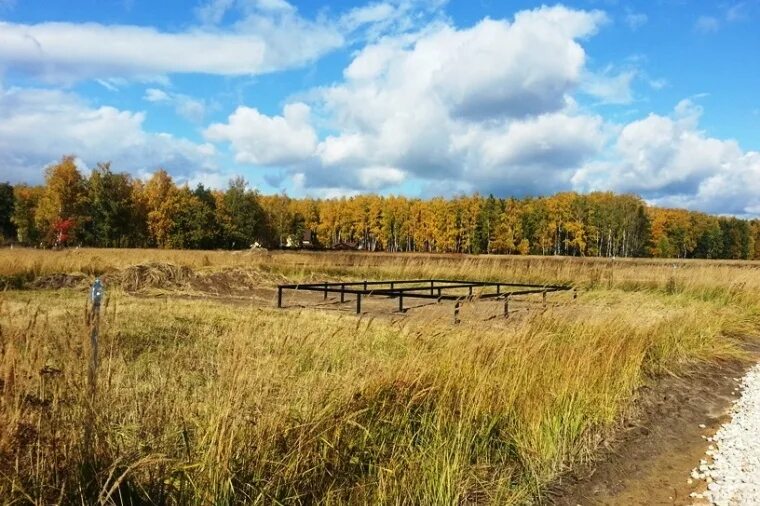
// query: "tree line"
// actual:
[[112, 209]]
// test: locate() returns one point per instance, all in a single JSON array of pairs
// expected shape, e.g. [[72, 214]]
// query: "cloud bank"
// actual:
[[40, 125]]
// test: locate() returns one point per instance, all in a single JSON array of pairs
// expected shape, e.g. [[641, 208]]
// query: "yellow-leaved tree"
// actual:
[[63, 201]]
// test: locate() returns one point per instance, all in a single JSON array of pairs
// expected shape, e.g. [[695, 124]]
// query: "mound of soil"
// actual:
[[167, 276], [228, 281], [151, 275], [233, 281], [58, 280]]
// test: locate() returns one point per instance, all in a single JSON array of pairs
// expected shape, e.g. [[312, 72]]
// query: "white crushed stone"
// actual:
[[733, 472]]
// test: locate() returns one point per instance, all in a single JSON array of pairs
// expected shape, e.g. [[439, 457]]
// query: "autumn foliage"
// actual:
[[111, 209]]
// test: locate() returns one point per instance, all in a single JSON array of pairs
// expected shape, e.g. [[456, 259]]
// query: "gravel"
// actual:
[[731, 468]]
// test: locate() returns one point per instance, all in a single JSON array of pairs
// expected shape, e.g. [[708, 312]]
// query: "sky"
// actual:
[[413, 97]]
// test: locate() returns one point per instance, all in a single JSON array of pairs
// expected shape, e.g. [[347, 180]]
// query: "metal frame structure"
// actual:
[[430, 289]]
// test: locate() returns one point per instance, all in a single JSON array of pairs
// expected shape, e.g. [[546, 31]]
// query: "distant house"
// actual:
[[308, 240]]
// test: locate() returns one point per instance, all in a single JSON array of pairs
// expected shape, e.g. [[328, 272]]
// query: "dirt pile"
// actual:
[[58, 280], [151, 275], [167, 276], [232, 281]]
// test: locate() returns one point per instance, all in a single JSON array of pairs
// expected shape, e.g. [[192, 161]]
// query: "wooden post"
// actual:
[[506, 307], [498, 288], [400, 303], [431, 286], [358, 303], [457, 305], [543, 295], [342, 293], [279, 296], [325, 297]]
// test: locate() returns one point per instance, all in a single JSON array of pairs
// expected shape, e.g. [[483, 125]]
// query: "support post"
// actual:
[[457, 305], [391, 285], [325, 297], [470, 287], [431, 286], [358, 303], [543, 295], [439, 292], [498, 288], [279, 296], [575, 294], [506, 307], [342, 293], [400, 303], [365, 285], [97, 293]]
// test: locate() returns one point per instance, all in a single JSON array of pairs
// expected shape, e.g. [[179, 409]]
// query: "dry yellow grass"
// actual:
[[705, 277], [205, 402]]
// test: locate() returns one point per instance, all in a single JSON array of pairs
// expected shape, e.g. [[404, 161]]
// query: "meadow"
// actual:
[[206, 393]]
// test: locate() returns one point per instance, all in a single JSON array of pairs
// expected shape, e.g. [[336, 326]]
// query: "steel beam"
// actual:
[[429, 289]]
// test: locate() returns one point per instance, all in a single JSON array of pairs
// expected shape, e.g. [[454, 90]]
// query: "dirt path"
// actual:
[[652, 462]]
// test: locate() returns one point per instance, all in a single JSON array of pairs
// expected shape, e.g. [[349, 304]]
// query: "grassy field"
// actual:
[[206, 394]]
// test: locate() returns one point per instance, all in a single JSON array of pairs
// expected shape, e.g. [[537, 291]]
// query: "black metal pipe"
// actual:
[[426, 291], [352, 283], [414, 294], [425, 281], [419, 288]]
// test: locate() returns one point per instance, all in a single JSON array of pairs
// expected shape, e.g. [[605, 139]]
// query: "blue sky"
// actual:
[[415, 97]]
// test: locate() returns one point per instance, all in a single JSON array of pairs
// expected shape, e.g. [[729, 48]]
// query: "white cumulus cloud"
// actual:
[[268, 140], [669, 160], [489, 103]]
